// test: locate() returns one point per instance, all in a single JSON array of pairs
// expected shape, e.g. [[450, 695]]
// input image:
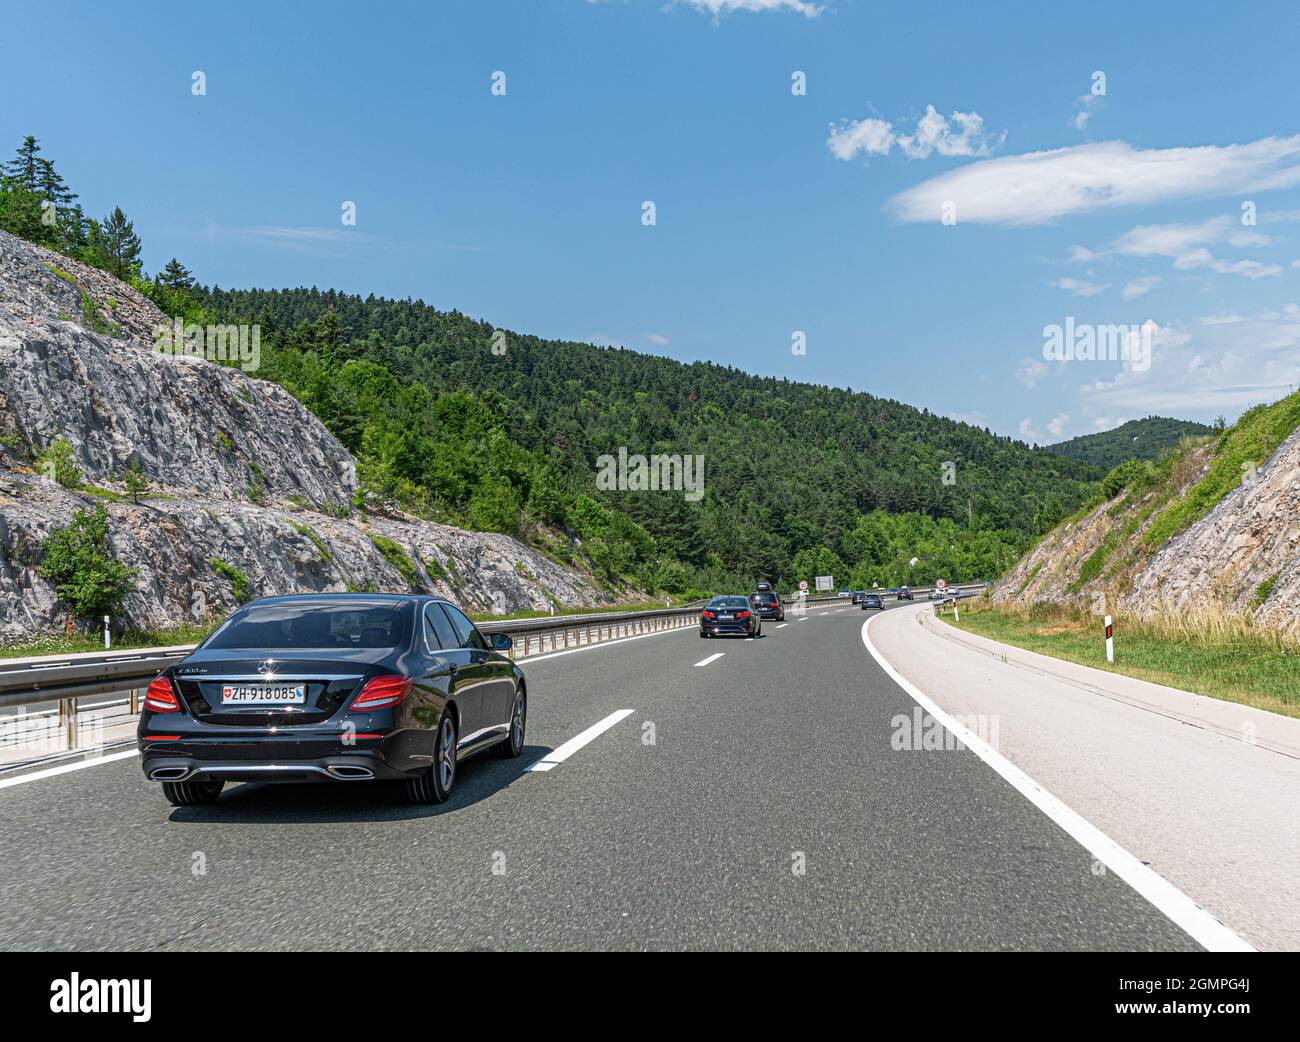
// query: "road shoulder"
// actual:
[[1213, 814]]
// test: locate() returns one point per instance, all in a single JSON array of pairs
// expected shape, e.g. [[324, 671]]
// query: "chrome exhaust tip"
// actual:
[[169, 774], [350, 772]]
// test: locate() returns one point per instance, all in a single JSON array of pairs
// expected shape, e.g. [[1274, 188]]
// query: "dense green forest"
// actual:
[[1138, 439], [457, 421]]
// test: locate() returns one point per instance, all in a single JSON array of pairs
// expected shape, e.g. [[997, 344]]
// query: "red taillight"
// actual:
[[707, 615], [742, 614], [160, 697], [382, 693]]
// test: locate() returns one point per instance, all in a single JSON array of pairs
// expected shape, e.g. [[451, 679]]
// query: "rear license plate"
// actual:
[[725, 617], [263, 694]]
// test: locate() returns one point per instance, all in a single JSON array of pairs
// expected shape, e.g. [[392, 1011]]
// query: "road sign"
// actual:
[[939, 584], [824, 582], [803, 585]]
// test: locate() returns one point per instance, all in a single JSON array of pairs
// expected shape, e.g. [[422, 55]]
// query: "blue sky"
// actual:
[[820, 213]]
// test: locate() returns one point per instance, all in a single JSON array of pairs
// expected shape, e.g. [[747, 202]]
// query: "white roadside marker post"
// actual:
[[106, 638], [1110, 642]]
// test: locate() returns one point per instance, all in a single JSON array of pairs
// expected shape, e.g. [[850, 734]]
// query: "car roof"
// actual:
[[359, 598]]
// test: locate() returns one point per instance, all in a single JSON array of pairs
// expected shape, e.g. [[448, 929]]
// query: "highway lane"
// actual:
[[754, 802]]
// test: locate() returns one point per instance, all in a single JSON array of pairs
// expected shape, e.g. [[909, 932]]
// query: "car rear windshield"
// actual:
[[728, 602], [309, 626], [764, 598]]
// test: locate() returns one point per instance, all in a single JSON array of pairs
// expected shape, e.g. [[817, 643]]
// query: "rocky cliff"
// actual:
[[247, 488], [1240, 558]]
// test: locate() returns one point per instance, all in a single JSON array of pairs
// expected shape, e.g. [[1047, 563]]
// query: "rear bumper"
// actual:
[[725, 629], [281, 758], [343, 769]]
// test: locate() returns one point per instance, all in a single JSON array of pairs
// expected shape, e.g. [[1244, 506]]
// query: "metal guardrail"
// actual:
[[66, 678]]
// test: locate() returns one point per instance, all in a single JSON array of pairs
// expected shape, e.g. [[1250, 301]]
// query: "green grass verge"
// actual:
[[1256, 670], [60, 645], [1251, 441]]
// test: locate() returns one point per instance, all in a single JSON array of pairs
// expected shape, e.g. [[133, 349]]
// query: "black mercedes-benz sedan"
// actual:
[[333, 687], [729, 614], [872, 600]]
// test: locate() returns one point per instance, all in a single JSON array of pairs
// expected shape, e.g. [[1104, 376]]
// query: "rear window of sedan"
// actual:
[[728, 602], [299, 626]]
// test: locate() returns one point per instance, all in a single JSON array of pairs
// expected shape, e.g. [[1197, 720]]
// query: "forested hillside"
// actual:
[[488, 429], [1138, 439], [791, 469]]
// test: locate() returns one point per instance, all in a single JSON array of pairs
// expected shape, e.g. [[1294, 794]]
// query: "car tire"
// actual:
[[434, 785], [192, 793], [514, 743]]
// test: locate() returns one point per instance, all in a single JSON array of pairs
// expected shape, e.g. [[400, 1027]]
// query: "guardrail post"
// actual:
[[68, 720], [135, 700]]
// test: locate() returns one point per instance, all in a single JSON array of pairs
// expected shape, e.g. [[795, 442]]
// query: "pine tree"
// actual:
[[24, 169], [175, 276], [118, 246], [134, 481], [49, 182]]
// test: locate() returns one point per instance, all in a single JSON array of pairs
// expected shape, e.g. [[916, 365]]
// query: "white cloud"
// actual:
[[964, 136], [718, 8], [1037, 187], [1223, 363], [1027, 431], [1173, 240], [1030, 371], [873, 137], [1186, 245], [1087, 103], [934, 134], [1056, 426], [1080, 287], [1140, 286], [657, 338]]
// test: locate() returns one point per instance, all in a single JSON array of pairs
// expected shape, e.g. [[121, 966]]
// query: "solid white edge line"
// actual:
[[560, 754], [67, 768], [711, 658], [1195, 921]]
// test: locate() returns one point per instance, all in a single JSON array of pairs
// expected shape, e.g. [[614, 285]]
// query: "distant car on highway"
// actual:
[[938, 595], [858, 595], [845, 593], [333, 687], [729, 614], [767, 604], [872, 600], [904, 594]]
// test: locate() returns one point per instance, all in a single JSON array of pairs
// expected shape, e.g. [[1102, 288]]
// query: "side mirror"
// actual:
[[501, 641]]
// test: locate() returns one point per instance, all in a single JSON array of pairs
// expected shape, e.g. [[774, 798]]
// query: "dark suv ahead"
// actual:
[[768, 605]]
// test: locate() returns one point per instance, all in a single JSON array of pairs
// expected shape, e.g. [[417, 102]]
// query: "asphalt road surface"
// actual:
[[753, 802]]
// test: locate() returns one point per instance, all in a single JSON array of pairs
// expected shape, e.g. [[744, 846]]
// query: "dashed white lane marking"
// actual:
[[558, 756], [1185, 913], [711, 658], [67, 768], [782, 625]]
